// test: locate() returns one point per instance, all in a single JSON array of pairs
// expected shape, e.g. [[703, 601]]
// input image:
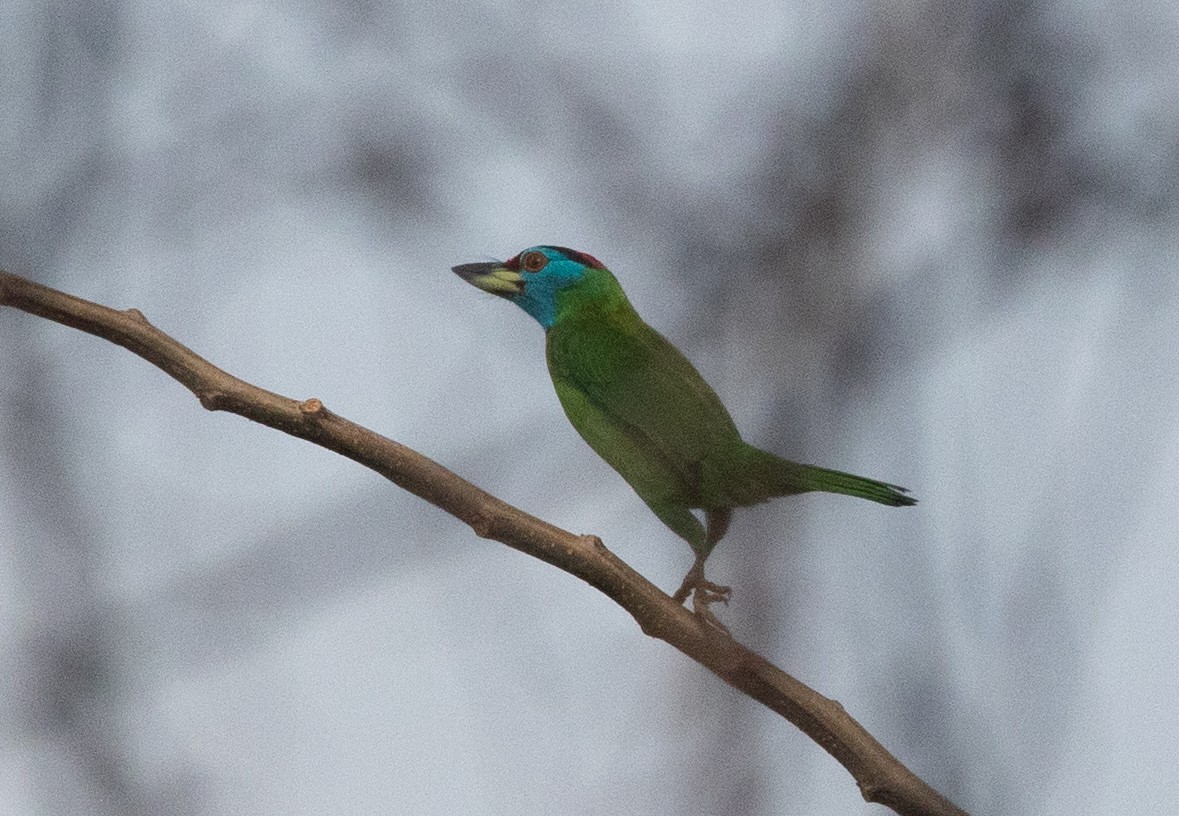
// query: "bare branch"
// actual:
[[881, 777]]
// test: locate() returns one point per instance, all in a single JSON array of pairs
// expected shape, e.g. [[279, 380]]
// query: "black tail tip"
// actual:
[[899, 497]]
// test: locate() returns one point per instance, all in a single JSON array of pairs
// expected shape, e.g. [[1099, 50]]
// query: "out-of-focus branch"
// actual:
[[881, 777]]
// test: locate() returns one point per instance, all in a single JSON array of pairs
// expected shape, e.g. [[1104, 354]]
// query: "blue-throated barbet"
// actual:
[[645, 409]]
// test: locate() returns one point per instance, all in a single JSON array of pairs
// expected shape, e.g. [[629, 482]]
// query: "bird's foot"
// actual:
[[704, 593]]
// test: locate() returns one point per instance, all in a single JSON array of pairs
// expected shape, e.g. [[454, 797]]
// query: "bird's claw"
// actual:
[[704, 593], [707, 592]]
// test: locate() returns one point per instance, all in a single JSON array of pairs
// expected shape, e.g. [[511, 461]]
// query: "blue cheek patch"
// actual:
[[539, 297]]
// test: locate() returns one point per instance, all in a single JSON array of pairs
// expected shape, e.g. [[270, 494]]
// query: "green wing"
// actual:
[[643, 408]]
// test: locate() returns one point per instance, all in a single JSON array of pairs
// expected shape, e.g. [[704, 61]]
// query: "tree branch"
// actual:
[[880, 776]]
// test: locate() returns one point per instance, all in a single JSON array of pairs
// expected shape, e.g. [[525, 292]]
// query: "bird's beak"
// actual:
[[491, 277]]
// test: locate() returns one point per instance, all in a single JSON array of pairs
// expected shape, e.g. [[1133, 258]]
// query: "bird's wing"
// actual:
[[648, 392]]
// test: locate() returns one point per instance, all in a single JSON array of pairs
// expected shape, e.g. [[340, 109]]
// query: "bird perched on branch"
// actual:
[[645, 409]]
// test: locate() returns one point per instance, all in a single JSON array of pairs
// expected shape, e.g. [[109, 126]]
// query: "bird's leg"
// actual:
[[690, 580], [704, 593]]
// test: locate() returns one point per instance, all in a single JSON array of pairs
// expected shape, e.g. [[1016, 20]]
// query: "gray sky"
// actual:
[[931, 243]]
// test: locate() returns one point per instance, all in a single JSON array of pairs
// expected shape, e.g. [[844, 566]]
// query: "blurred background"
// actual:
[[929, 242]]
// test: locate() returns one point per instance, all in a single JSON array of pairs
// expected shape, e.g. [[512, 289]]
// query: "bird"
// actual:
[[646, 410]]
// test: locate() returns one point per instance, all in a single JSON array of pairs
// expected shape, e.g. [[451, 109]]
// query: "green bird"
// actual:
[[645, 409]]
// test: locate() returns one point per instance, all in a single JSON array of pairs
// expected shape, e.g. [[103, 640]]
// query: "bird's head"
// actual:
[[534, 278]]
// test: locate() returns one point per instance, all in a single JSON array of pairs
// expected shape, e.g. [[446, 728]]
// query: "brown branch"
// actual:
[[881, 777]]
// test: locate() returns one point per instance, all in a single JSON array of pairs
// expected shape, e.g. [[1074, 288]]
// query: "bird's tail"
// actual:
[[766, 475]]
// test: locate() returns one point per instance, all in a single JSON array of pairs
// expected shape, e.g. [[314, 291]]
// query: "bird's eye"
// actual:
[[533, 261]]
